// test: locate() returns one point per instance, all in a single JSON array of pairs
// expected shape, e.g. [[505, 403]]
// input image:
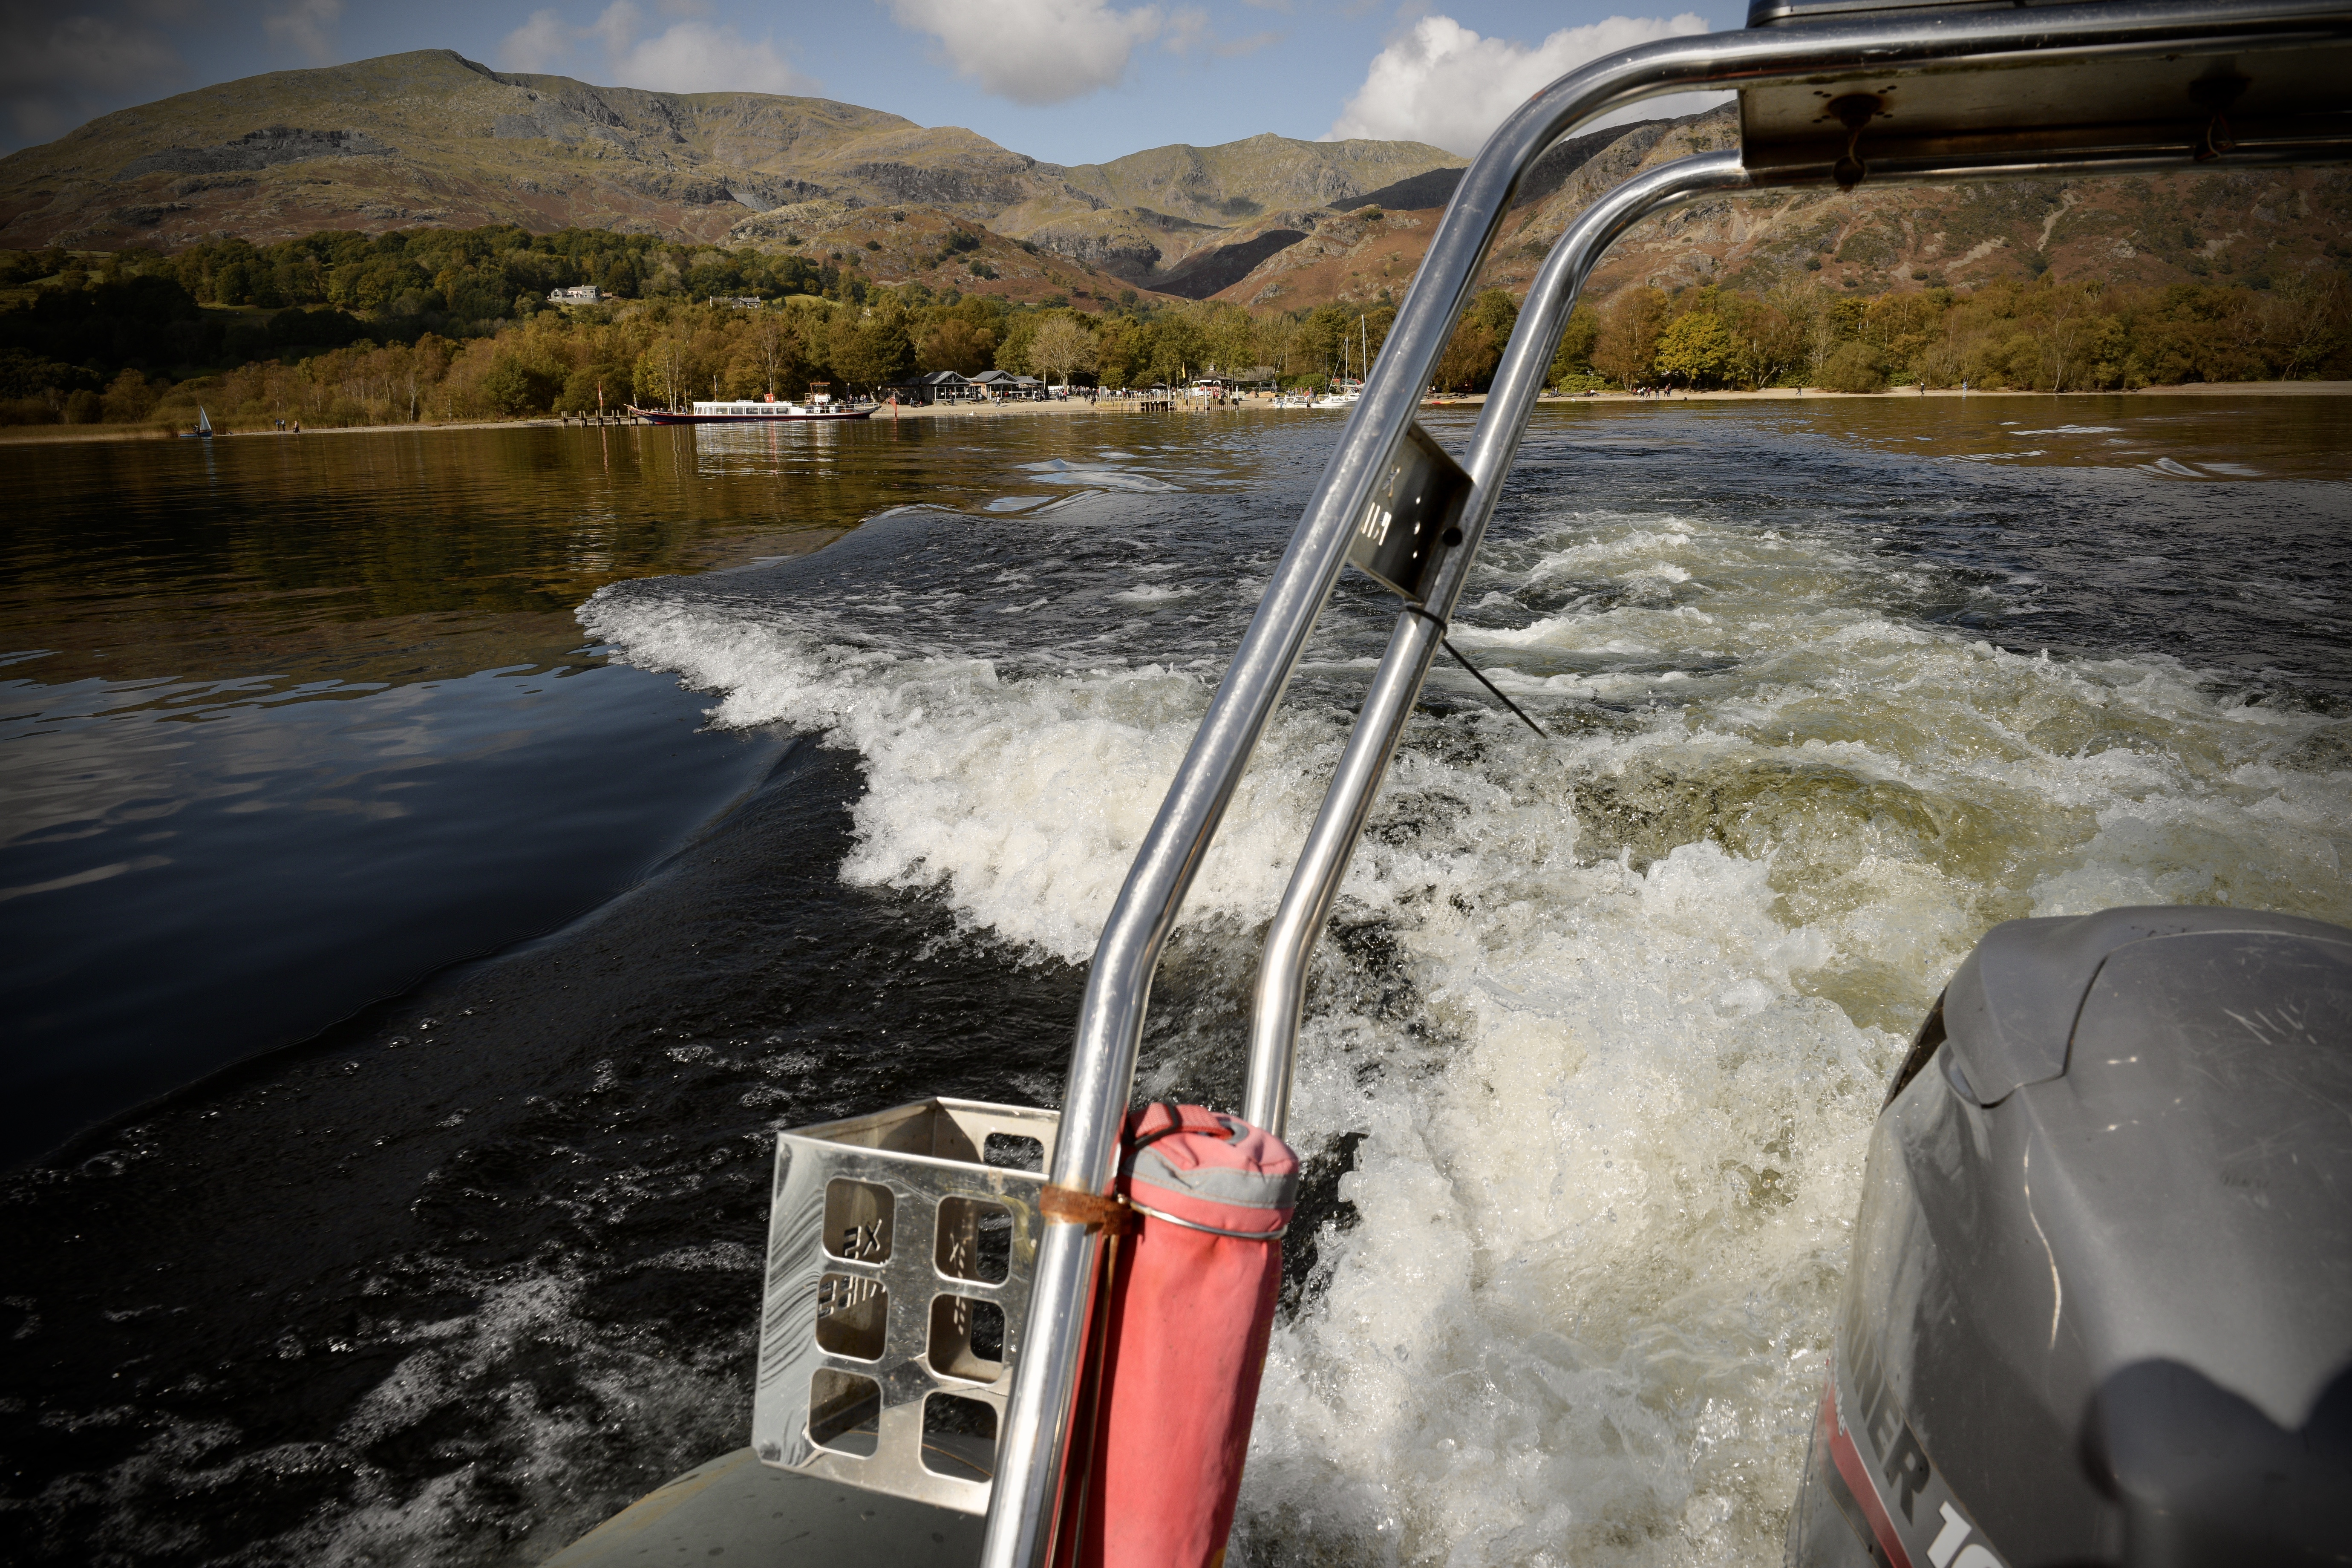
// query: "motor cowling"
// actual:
[[2100, 1304]]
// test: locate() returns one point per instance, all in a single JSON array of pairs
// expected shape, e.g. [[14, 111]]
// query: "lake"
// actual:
[[434, 863]]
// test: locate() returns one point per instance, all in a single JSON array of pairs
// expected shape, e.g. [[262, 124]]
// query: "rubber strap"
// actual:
[[1071, 1205]]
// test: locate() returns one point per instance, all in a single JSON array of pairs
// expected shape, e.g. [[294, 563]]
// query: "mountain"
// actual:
[[430, 137], [2263, 227], [433, 138]]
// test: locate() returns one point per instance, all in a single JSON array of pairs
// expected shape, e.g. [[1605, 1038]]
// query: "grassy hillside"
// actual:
[[2259, 228], [433, 138]]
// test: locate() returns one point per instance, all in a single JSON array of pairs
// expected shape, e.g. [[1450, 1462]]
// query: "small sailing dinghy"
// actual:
[[204, 430]]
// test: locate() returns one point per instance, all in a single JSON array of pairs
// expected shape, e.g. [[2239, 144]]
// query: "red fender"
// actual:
[[1190, 1308]]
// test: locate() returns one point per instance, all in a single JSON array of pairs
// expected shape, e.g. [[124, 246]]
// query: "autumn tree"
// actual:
[[774, 345], [661, 372], [1061, 346], [1626, 349], [1695, 350], [957, 344], [1469, 359]]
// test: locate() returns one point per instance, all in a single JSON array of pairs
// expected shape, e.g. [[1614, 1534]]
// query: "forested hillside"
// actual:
[[435, 325]]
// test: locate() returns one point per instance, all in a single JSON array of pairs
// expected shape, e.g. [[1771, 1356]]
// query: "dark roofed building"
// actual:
[[935, 386]]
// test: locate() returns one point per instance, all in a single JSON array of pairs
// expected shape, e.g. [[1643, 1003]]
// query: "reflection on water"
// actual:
[[1592, 1045]]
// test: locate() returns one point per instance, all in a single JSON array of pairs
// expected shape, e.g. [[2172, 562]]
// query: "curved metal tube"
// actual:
[[1280, 995], [1034, 1447], [1396, 684]]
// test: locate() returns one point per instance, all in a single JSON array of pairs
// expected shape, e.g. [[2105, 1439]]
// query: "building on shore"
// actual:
[[934, 386], [578, 294], [1004, 383]]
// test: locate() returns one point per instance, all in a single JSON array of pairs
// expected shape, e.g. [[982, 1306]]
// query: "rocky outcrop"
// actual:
[[262, 149]]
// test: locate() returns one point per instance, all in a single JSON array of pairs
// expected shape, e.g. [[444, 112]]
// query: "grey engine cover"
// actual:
[[2101, 1302]]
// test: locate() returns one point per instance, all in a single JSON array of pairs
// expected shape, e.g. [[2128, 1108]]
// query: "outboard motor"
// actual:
[[2100, 1306]]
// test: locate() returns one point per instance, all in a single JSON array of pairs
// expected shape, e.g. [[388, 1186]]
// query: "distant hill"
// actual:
[[2263, 227], [433, 138]]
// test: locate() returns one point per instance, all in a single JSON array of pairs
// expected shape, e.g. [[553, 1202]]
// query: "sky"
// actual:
[[1069, 81]]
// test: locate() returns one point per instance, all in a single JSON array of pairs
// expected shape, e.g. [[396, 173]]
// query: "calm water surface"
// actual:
[[755, 833]]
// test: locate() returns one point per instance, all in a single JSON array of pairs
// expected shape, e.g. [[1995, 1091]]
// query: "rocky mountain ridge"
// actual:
[[432, 138], [2262, 227]]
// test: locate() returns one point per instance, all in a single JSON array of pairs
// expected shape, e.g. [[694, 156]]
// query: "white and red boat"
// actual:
[[821, 404]]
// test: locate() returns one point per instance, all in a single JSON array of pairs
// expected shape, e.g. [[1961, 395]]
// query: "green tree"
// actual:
[[1122, 350], [1013, 348], [661, 373], [1852, 367], [1695, 350], [955, 344], [1574, 358], [1178, 348], [514, 385], [872, 350], [129, 398]]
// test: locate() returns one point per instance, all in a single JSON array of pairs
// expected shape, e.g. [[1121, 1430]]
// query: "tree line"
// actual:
[[342, 337], [2037, 334]]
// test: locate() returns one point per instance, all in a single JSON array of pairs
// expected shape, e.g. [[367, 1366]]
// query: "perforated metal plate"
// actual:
[[898, 1260]]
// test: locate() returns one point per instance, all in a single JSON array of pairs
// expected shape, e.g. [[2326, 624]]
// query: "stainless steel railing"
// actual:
[[1518, 380], [1033, 1448]]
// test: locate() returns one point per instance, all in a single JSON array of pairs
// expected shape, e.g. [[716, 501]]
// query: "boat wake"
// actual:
[[1596, 1040]]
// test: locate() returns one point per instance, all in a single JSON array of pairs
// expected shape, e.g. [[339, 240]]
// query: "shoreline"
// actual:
[[50, 435]]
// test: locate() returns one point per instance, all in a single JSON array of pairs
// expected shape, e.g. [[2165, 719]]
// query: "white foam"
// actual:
[[1659, 969]]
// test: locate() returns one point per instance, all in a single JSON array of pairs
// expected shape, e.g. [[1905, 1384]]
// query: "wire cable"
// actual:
[[1434, 618]]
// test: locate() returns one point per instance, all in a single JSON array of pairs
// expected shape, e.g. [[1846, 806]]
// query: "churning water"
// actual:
[[1593, 1046]]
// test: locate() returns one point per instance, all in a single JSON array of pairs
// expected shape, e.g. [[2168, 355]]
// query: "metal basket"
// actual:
[[899, 1257]]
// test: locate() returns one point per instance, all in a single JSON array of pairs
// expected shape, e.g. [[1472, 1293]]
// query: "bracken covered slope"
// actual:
[[433, 138], [2267, 228]]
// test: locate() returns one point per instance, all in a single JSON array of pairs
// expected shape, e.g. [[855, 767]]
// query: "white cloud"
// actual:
[[690, 56], [1442, 84], [1034, 51], [694, 56], [308, 26], [539, 45], [618, 26]]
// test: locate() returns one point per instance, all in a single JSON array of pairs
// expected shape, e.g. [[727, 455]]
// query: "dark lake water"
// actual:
[[432, 866]]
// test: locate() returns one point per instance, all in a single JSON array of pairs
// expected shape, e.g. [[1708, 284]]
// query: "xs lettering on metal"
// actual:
[[840, 1292], [864, 1243], [1413, 517]]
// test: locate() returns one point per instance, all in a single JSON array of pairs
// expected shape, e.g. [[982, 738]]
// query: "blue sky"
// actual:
[[1067, 81]]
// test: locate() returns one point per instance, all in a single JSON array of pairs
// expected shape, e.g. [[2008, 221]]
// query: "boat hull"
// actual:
[[758, 1515], [668, 417]]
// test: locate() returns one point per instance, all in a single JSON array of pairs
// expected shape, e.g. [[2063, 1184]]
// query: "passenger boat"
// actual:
[[820, 405], [2099, 1305]]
